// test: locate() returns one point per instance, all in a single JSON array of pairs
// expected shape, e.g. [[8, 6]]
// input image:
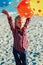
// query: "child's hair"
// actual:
[[17, 17], [28, 19]]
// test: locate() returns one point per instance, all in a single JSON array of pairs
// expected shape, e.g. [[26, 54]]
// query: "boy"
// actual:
[[20, 38]]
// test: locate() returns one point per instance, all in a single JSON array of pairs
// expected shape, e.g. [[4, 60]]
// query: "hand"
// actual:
[[5, 12]]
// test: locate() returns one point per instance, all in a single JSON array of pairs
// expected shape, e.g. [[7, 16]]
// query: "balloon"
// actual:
[[5, 2], [24, 9], [37, 7]]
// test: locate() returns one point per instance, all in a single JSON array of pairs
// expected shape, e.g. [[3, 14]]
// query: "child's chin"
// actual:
[[19, 27]]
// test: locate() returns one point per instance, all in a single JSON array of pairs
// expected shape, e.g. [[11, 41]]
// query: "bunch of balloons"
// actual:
[[28, 8]]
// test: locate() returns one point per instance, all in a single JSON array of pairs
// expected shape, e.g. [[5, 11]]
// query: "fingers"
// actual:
[[5, 12]]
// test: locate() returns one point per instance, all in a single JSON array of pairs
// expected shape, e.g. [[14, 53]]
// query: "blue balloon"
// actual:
[[5, 2]]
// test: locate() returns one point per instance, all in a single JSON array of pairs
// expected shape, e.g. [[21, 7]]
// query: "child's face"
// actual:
[[19, 23]]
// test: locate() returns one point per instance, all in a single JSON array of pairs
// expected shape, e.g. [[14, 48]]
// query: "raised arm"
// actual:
[[26, 24], [9, 20]]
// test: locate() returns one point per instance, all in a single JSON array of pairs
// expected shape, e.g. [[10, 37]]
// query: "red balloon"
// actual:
[[24, 9]]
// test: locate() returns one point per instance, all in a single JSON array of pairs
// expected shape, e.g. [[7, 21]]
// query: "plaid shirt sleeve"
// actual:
[[11, 23], [25, 25]]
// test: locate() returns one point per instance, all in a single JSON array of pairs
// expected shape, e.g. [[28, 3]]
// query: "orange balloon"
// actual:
[[24, 0], [24, 9]]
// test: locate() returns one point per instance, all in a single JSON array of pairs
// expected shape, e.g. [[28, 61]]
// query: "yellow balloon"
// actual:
[[37, 7]]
